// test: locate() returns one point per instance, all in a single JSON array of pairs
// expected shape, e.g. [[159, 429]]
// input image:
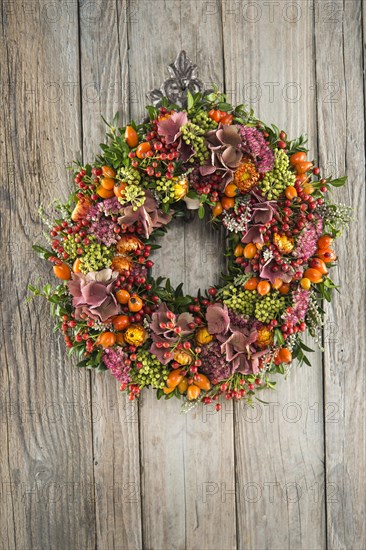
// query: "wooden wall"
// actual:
[[82, 467]]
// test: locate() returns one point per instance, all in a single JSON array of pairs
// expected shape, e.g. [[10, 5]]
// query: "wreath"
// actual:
[[197, 154]]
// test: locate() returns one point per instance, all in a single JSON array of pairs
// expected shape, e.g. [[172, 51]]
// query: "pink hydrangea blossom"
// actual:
[[226, 155], [167, 327], [149, 215], [170, 129], [237, 337], [217, 317], [92, 294]]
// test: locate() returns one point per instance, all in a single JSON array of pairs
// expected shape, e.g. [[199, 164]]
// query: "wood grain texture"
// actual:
[[104, 82], [279, 447], [341, 109], [46, 445], [83, 468]]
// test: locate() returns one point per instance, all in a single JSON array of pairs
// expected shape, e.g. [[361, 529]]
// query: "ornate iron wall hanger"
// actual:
[[183, 77]]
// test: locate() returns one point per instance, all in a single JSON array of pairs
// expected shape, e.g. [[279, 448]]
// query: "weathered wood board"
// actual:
[[81, 466]]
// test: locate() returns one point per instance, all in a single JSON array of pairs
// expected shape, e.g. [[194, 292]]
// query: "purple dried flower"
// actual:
[[237, 322], [170, 127], [138, 271], [263, 212], [307, 242], [115, 360], [111, 207], [267, 272], [103, 231], [165, 321], [254, 144], [214, 364], [234, 349], [301, 299], [237, 348], [103, 218]]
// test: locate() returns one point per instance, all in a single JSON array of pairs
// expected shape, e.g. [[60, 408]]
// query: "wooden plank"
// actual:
[[279, 447], [182, 456], [47, 480], [341, 111], [105, 86]]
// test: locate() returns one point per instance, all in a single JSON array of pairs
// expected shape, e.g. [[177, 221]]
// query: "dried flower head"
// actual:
[[135, 335], [128, 243], [265, 337], [183, 357], [284, 244], [121, 264], [246, 177]]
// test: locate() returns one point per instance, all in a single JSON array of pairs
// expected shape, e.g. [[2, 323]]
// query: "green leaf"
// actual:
[[339, 182], [115, 119], [261, 401], [151, 111], [192, 194], [178, 290], [201, 212], [183, 301], [301, 357], [225, 107], [211, 98], [168, 286], [278, 337], [42, 252], [190, 100], [305, 347], [101, 368], [82, 364], [170, 395]]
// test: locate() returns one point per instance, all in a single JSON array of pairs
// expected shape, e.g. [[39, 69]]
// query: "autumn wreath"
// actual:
[[221, 161]]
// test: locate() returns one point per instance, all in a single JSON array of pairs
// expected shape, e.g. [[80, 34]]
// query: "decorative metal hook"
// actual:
[[183, 77]]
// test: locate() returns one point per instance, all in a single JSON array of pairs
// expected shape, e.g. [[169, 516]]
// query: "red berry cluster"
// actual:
[[207, 185], [82, 333], [160, 159]]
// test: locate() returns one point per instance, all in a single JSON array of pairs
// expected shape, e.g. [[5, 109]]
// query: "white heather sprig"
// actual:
[[238, 222], [267, 254], [314, 320], [291, 341], [336, 217]]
